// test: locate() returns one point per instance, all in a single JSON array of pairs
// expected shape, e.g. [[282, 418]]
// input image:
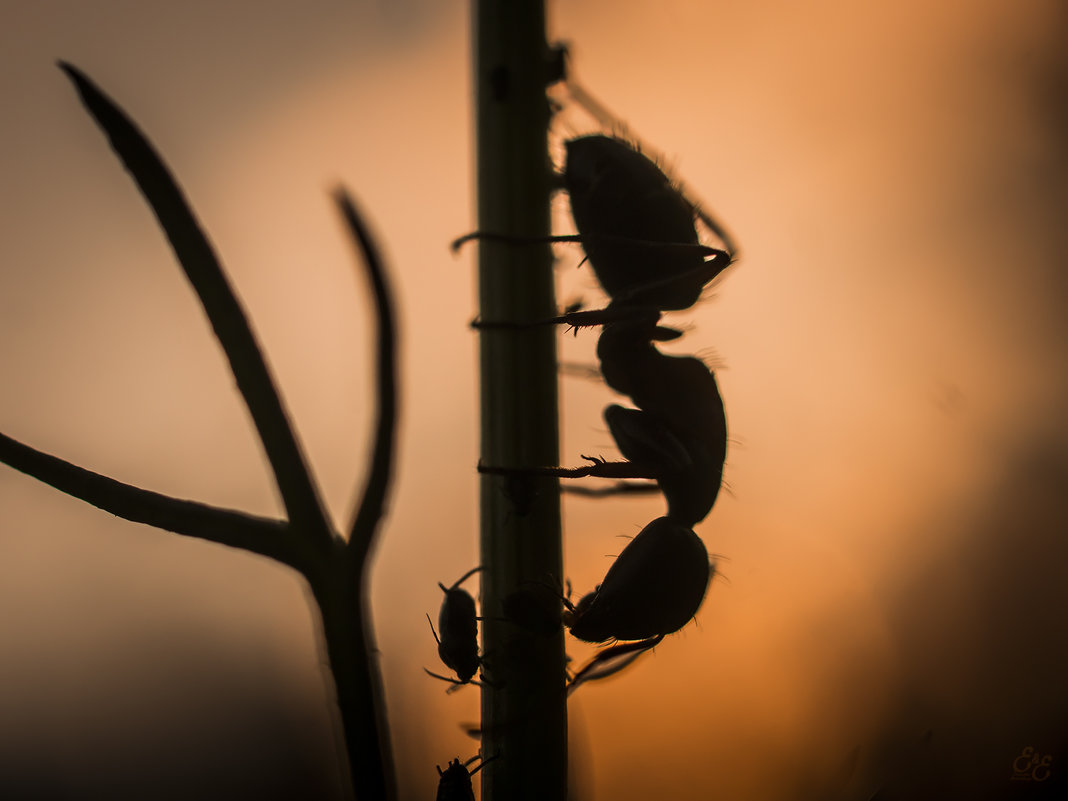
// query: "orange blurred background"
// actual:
[[892, 349]]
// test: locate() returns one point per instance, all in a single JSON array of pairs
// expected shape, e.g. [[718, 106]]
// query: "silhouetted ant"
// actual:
[[640, 235], [454, 783], [458, 644]]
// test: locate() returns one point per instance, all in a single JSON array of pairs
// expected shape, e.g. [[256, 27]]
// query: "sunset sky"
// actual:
[[891, 350]]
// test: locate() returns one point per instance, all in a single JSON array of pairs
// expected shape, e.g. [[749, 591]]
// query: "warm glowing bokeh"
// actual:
[[893, 346]]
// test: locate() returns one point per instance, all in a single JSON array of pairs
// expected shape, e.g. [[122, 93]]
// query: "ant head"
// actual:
[[574, 612]]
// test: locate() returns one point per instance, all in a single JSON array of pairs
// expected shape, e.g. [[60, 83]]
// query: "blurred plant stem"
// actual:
[[524, 714], [336, 569]]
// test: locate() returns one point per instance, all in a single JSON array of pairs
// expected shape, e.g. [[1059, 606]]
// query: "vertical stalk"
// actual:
[[524, 714], [349, 643]]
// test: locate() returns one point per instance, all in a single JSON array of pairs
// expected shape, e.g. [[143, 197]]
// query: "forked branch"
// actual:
[[259, 535], [198, 260], [372, 502], [335, 570]]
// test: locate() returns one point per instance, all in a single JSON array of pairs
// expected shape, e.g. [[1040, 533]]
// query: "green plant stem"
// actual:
[[524, 714]]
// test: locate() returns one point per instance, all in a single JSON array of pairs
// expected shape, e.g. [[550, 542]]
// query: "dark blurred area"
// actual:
[[983, 644], [157, 717]]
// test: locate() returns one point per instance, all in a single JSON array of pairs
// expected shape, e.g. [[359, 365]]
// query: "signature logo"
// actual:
[[1031, 766]]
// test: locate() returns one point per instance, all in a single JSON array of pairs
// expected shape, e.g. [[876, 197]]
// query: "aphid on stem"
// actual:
[[454, 783], [458, 644]]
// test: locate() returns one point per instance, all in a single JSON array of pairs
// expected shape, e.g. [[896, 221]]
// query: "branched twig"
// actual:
[[259, 535], [334, 569], [373, 500], [354, 654], [227, 318]]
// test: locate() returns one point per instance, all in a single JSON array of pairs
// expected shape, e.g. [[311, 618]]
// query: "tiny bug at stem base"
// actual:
[[454, 783]]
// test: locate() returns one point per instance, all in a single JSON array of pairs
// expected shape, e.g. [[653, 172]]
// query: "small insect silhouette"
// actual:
[[454, 783], [458, 643], [654, 587]]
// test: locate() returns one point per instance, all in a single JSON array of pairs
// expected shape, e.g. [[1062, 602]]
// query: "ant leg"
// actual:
[[519, 239], [574, 320], [617, 488], [510, 239], [610, 661], [456, 683], [717, 228], [611, 122], [513, 325], [705, 272], [599, 469]]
